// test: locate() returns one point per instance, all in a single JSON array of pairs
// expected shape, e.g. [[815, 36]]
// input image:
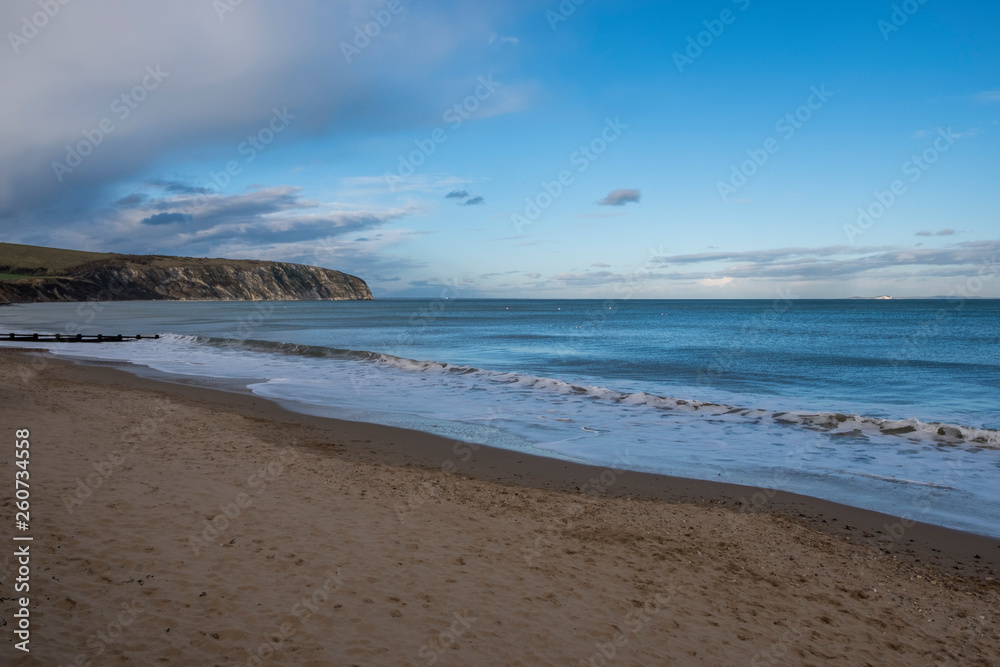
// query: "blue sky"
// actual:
[[606, 149]]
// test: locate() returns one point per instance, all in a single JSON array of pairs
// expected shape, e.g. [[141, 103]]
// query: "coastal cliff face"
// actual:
[[152, 277]]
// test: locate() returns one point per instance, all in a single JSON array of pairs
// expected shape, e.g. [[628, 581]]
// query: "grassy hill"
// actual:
[[18, 261]]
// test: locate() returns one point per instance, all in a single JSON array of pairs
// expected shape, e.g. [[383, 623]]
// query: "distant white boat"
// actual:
[[884, 296]]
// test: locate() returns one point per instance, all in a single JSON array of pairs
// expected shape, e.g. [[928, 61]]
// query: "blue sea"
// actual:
[[890, 405]]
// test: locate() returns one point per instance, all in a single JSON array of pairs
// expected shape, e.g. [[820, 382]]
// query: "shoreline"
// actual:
[[920, 541], [197, 525]]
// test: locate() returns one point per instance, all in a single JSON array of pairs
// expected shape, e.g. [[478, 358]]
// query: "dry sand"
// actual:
[[352, 544]]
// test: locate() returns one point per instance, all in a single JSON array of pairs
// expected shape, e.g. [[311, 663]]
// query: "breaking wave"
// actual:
[[835, 423]]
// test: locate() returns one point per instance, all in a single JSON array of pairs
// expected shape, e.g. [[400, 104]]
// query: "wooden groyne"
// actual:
[[73, 338]]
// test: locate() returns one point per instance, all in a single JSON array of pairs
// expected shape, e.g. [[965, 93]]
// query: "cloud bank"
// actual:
[[219, 77]]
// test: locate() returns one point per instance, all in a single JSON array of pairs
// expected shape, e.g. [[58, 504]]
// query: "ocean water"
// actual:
[[887, 405]]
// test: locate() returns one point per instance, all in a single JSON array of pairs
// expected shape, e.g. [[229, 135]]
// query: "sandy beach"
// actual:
[[185, 525]]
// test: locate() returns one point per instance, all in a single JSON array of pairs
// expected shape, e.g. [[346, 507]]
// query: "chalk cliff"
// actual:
[[155, 277]]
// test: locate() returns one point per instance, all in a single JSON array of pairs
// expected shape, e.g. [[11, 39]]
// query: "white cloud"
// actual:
[[222, 81], [503, 39], [841, 262], [717, 282]]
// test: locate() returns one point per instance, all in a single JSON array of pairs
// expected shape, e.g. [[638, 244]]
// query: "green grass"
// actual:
[[14, 276], [14, 256]]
